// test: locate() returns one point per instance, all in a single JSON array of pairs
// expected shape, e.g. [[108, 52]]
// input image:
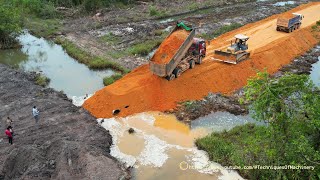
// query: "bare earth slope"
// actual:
[[68, 143], [141, 91]]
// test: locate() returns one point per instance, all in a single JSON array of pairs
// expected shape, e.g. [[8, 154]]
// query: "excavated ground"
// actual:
[[142, 91], [68, 144]]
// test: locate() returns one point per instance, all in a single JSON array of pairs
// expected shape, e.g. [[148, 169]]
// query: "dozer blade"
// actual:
[[229, 57]]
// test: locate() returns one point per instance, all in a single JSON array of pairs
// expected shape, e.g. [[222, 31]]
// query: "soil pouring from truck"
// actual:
[[289, 22], [179, 52]]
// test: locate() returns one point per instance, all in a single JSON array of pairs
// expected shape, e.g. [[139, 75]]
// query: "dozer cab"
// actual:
[[235, 53]]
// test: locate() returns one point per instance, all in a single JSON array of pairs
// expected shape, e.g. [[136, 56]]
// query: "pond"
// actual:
[[50, 59]]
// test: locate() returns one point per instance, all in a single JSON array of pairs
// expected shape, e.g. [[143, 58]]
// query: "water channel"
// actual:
[[48, 58]]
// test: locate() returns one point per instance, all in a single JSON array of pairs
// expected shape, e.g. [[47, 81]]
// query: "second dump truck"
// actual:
[[289, 22], [190, 52]]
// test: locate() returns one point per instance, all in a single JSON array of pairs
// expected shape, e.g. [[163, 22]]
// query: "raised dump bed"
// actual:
[[177, 53]]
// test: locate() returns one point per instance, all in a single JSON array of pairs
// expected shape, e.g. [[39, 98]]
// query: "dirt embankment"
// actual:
[[142, 91], [68, 143], [87, 32]]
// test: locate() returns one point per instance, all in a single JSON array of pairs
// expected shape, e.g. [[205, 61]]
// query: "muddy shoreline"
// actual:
[[67, 144], [214, 102]]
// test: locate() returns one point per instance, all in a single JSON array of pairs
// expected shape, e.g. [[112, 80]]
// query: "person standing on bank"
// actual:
[[9, 121], [35, 113], [8, 133]]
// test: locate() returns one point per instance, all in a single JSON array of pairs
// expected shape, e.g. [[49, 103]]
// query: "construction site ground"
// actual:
[[141, 91]]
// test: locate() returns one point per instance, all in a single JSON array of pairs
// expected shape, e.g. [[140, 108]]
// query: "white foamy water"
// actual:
[[155, 153], [79, 100]]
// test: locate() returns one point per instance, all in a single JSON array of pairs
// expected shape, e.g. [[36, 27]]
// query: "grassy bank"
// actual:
[[43, 27], [93, 62], [109, 80]]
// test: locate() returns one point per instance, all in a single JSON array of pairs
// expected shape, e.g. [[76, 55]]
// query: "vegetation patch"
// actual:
[[154, 11], [109, 80], [42, 80], [10, 25], [144, 48], [43, 27], [93, 62], [289, 106], [316, 27], [110, 38]]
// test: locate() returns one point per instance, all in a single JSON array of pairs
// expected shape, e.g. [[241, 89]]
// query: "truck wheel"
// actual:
[[290, 30], [199, 60], [177, 72], [192, 64], [171, 77], [278, 29]]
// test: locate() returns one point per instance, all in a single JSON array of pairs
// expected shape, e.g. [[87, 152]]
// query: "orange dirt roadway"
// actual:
[[143, 91]]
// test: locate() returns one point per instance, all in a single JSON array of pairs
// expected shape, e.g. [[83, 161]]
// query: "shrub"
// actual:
[[109, 80], [42, 80]]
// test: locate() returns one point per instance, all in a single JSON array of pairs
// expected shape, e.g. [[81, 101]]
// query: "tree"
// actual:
[[291, 107], [10, 24]]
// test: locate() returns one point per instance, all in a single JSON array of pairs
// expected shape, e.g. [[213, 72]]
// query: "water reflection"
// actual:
[[65, 73]]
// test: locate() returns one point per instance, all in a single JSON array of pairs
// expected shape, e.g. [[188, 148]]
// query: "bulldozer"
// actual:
[[235, 53]]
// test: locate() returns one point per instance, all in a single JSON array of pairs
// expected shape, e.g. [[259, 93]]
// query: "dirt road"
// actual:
[[68, 144], [141, 91]]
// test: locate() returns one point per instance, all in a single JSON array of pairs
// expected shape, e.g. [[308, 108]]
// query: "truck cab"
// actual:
[[198, 49]]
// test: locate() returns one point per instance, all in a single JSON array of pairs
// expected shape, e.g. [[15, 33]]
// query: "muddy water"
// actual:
[[315, 73], [162, 148], [65, 73]]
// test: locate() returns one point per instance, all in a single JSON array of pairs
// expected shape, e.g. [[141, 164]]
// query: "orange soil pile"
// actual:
[[141, 91], [170, 46]]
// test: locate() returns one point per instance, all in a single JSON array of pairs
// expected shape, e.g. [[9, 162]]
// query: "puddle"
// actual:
[[315, 73], [162, 148], [284, 3], [65, 73]]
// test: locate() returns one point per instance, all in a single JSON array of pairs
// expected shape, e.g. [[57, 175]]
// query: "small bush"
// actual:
[[42, 80], [93, 62], [153, 11], [109, 80]]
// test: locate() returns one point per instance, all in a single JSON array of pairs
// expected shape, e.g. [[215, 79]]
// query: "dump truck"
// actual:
[[184, 57], [289, 23], [235, 53]]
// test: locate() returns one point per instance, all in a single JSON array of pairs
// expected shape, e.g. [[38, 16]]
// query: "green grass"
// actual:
[[145, 47], [109, 80], [42, 80], [221, 30], [316, 26], [93, 62], [110, 38], [154, 11], [42, 27]]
